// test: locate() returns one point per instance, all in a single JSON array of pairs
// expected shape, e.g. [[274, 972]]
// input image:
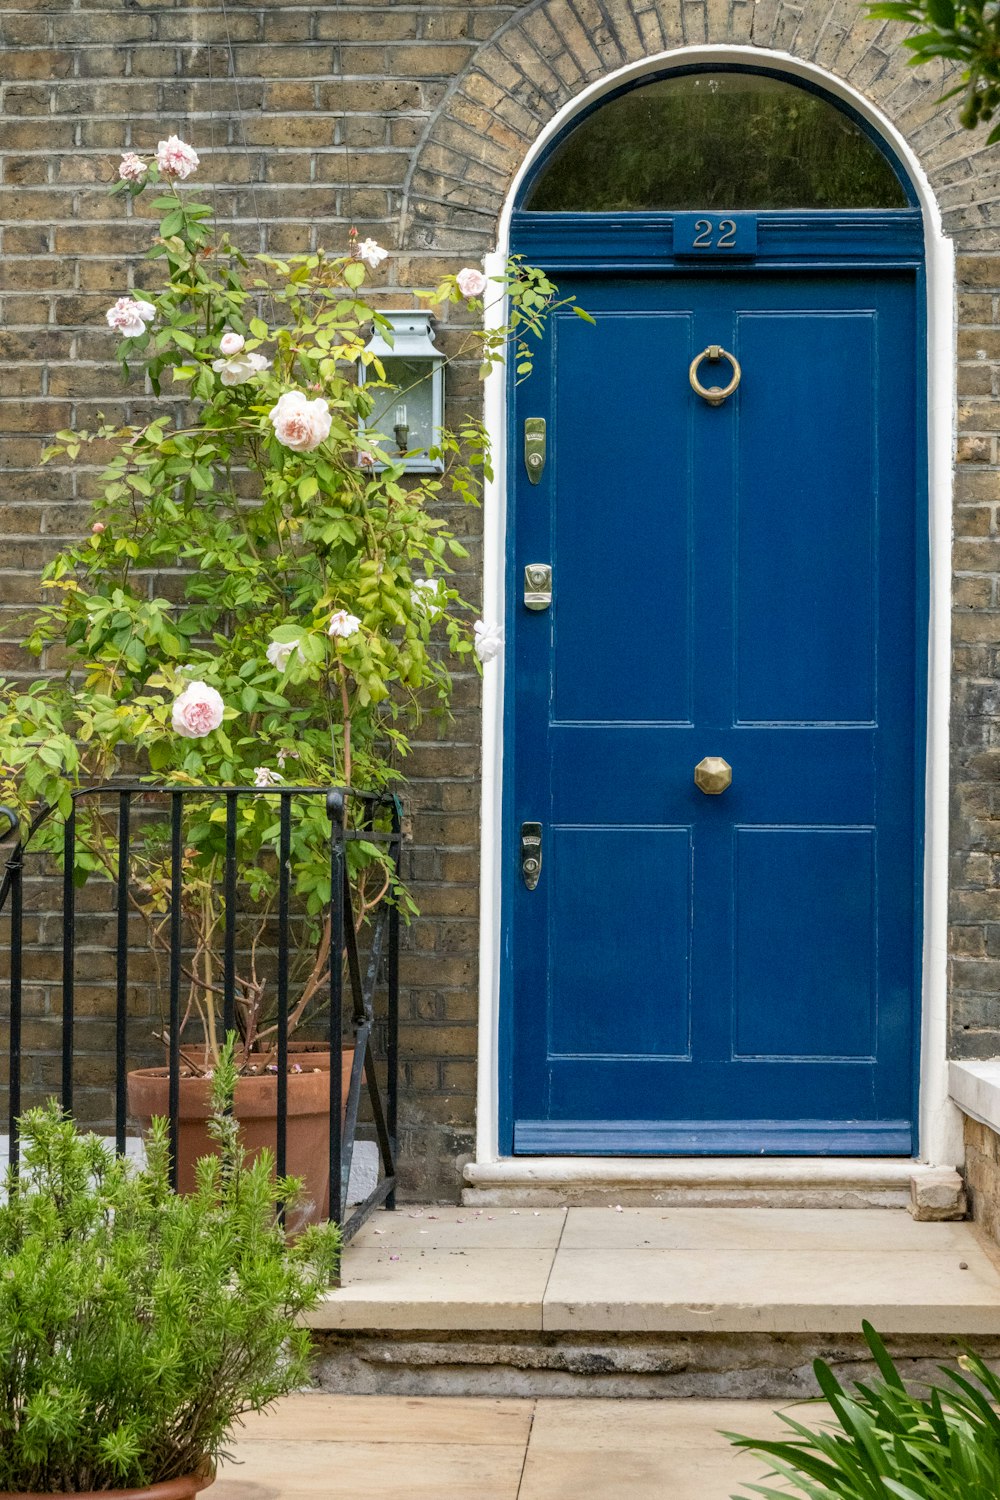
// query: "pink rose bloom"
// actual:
[[366, 459], [197, 711], [371, 253], [132, 168], [97, 527], [175, 158], [489, 639], [130, 315], [471, 283], [231, 343], [300, 424], [343, 625]]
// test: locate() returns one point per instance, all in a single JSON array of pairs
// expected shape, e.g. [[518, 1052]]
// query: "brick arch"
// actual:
[[550, 50]]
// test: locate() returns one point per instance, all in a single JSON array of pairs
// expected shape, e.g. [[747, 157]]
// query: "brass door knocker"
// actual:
[[715, 394]]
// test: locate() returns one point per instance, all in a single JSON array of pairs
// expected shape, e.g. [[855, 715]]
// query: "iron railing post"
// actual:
[[392, 997], [69, 955], [121, 971], [335, 807], [284, 862], [174, 1040], [14, 874]]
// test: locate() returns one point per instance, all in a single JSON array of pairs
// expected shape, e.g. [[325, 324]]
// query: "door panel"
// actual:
[[805, 929], [734, 972], [806, 567], [592, 943], [593, 678]]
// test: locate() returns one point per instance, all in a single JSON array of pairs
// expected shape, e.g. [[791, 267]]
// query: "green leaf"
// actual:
[[160, 755], [942, 13]]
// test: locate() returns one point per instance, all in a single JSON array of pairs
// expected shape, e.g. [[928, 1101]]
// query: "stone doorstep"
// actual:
[[930, 1193], [646, 1301]]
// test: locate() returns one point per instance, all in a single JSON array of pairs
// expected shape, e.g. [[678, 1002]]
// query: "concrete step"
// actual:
[[647, 1301]]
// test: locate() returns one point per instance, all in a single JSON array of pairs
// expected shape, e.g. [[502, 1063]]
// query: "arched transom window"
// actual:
[[728, 138]]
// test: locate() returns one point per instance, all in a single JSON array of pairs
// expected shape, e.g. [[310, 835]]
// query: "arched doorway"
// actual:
[[723, 960]]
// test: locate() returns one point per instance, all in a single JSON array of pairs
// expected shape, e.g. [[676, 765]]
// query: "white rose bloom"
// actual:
[[264, 776], [371, 253], [197, 711], [300, 424], [343, 625], [231, 343], [426, 595], [279, 653], [239, 369], [129, 316], [489, 639]]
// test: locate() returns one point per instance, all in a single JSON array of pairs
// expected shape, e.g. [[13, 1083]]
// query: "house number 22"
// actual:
[[724, 232], [702, 234]]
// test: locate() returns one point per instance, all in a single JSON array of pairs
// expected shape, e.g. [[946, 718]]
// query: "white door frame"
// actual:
[[939, 1121]]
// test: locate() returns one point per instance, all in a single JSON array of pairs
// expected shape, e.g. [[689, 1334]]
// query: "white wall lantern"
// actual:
[[409, 417]]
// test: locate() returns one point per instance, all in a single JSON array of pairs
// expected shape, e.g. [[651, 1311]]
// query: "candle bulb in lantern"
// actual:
[[401, 428]]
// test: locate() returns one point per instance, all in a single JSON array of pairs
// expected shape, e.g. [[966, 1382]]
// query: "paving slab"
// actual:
[[438, 1288], [773, 1229], [302, 1470], [464, 1229], [774, 1290], [388, 1448], [389, 1419]]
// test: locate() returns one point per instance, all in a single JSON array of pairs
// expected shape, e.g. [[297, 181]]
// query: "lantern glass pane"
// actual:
[[414, 382], [716, 140]]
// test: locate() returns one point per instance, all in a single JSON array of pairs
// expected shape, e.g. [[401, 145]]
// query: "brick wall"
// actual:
[[410, 120], [982, 1176]]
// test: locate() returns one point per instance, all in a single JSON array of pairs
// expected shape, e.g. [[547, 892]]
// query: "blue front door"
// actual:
[[730, 972]]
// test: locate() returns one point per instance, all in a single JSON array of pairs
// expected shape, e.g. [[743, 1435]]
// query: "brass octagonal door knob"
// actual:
[[712, 775]]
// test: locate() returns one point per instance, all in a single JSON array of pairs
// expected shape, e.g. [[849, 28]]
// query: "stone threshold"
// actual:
[[716, 1182]]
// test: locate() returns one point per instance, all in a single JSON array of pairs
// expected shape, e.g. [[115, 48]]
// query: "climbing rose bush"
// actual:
[[249, 603]]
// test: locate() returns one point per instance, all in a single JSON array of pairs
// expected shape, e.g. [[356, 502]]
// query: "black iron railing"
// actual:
[[354, 983]]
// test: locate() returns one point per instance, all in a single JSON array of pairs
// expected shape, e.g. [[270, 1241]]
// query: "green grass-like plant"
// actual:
[[135, 1324], [892, 1444]]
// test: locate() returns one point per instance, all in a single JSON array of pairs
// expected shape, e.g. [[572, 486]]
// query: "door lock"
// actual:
[[531, 853], [537, 586], [534, 447]]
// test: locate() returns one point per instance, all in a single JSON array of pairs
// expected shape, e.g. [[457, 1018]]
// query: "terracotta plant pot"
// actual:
[[171, 1489], [256, 1108]]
